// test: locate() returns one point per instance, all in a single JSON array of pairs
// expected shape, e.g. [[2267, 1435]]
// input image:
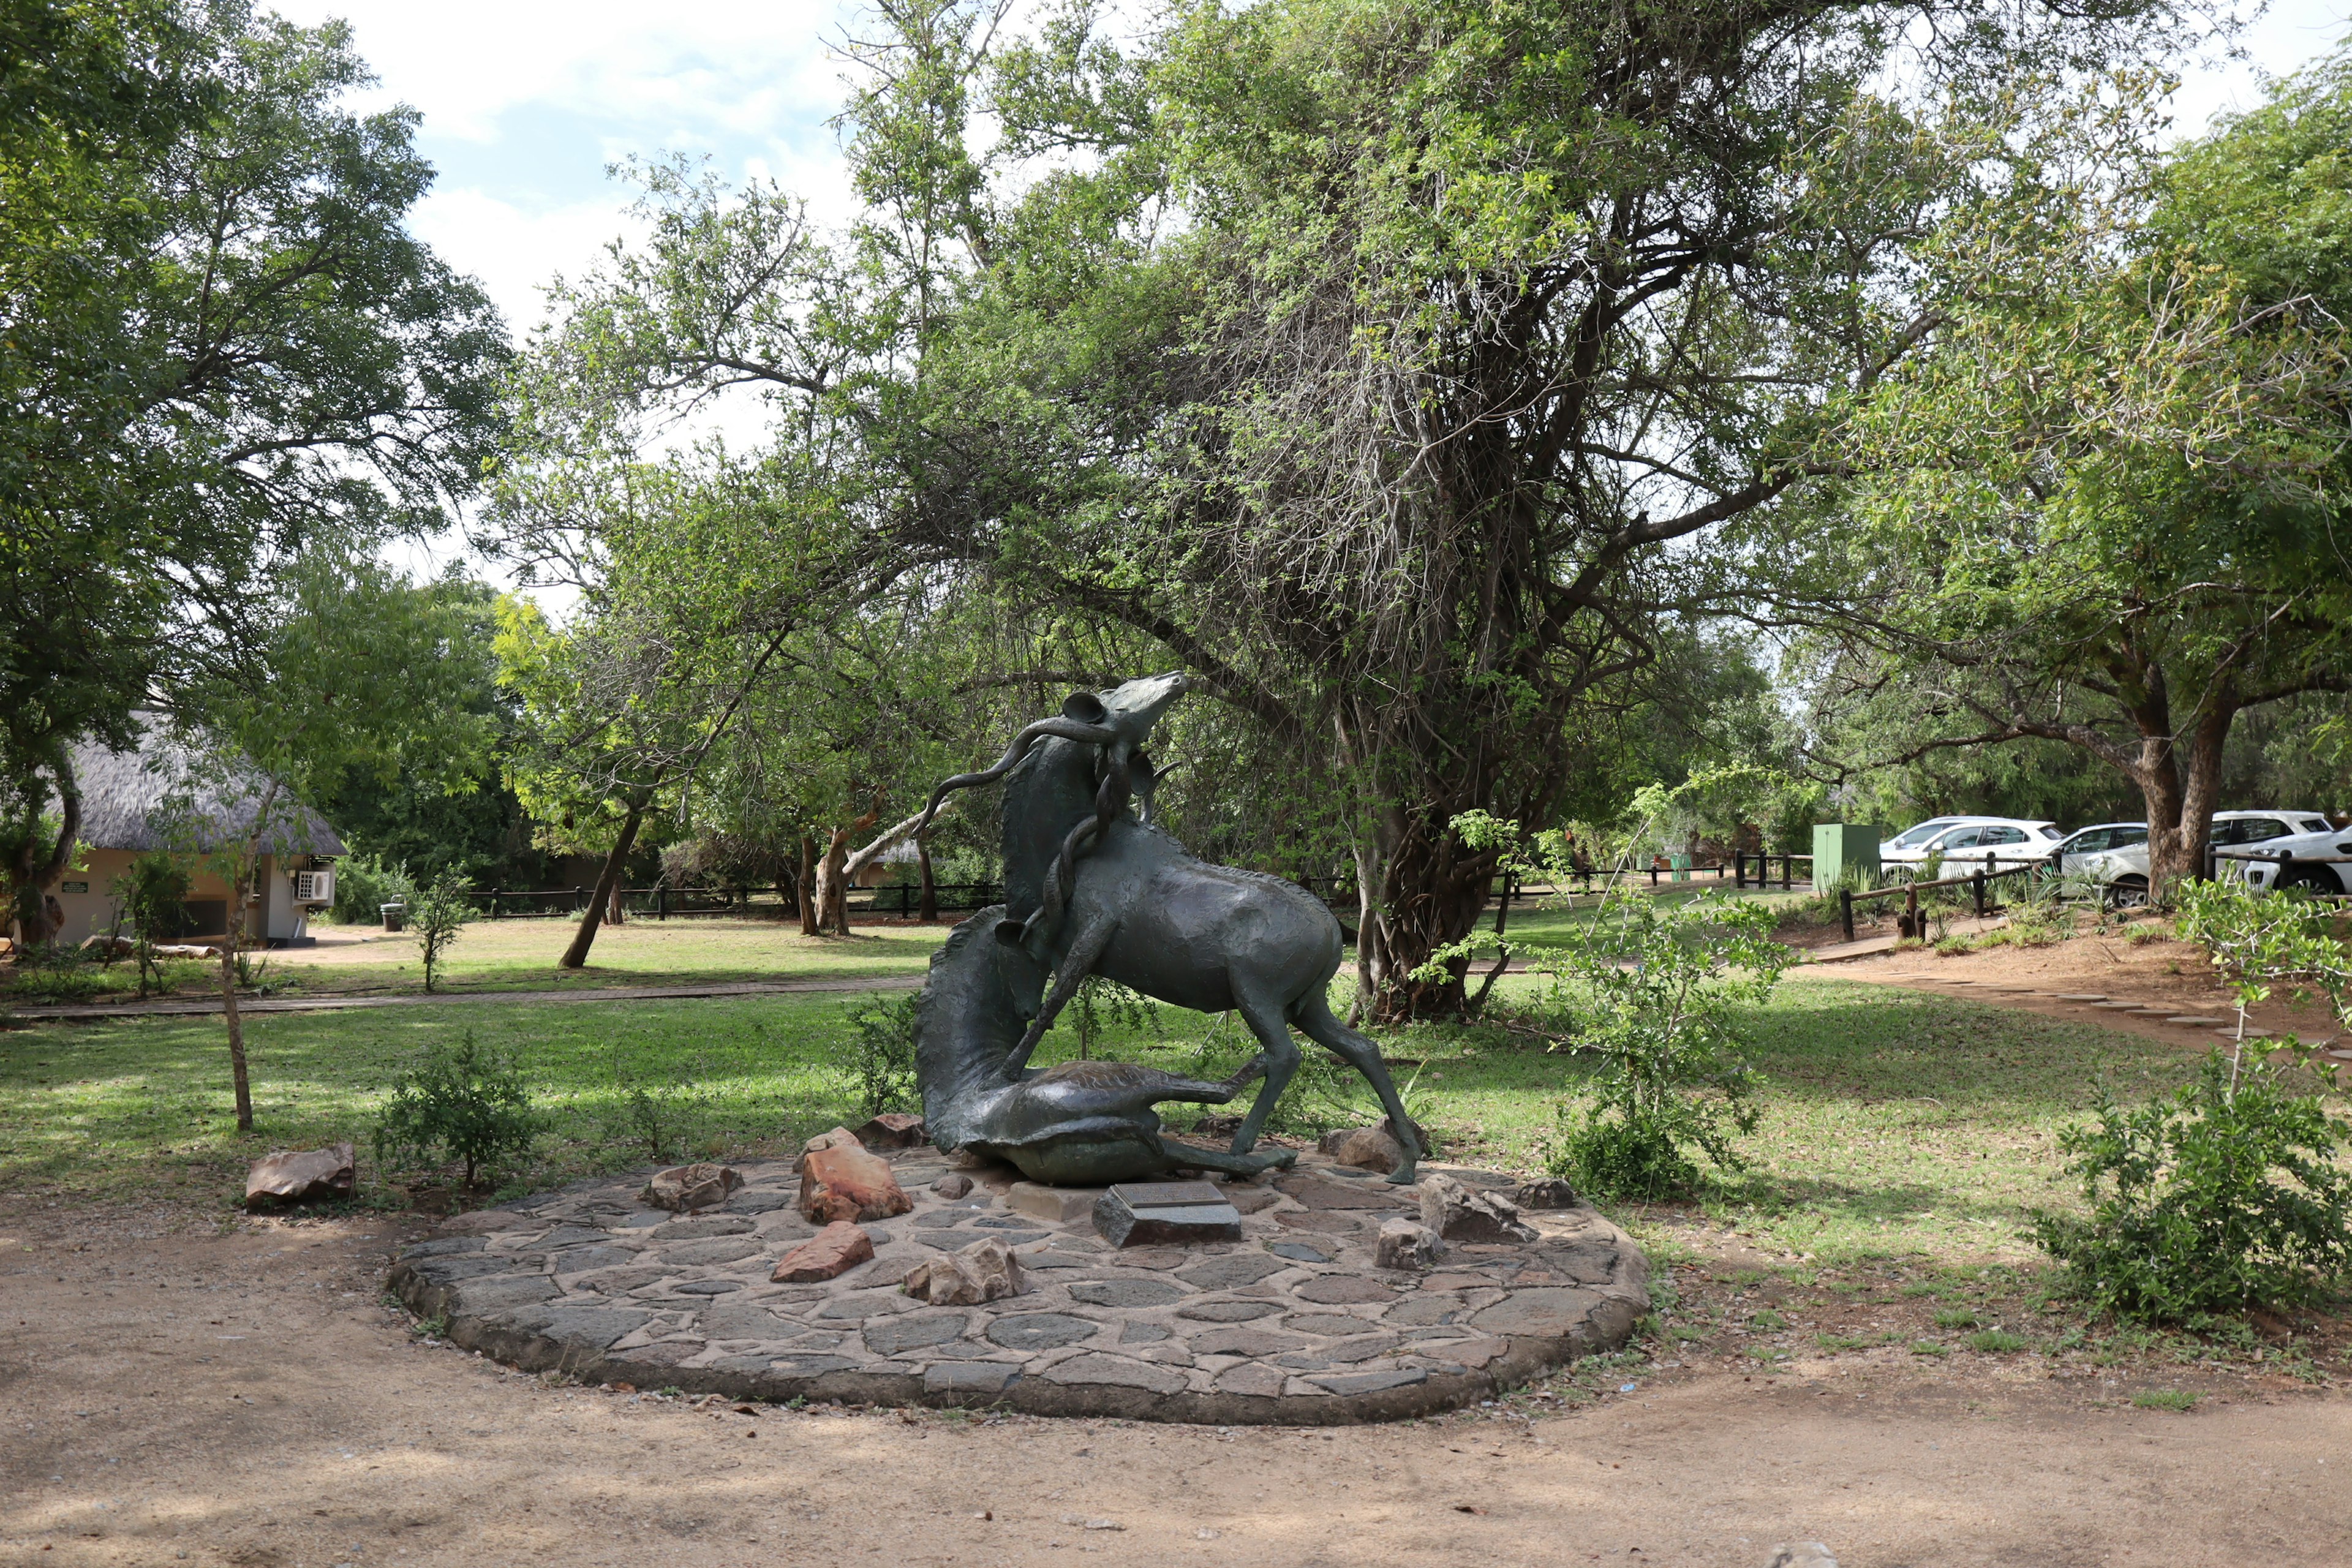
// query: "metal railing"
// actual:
[[661, 901]]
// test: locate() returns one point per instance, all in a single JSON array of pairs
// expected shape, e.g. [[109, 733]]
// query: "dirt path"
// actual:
[[168, 1395], [453, 998]]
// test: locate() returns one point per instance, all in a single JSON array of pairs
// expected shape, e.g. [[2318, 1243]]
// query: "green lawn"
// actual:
[[1895, 1123]]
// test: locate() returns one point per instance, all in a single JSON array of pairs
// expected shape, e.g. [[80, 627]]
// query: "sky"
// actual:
[[526, 102]]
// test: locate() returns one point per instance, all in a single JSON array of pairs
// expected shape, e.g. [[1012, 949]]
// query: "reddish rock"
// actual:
[[300, 1177], [839, 1180], [684, 1188], [835, 1250], [952, 1185], [894, 1129]]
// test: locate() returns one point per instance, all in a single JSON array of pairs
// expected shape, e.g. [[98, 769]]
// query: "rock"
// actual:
[[893, 1130], [831, 1252], [1801, 1554], [952, 1185], [1366, 1148], [1458, 1214], [1126, 1293], [1227, 1311], [984, 1271], [1041, 1330], [1549, 1193], [1058, 1205], [1404, 1244], [839, 1180], [682, 1189], [112, 946], [298, 1177]]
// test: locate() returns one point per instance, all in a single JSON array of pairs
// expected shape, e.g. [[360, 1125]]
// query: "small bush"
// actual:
[[152, 892], [463, 1102], [437, 917], [2207, 1199], [364, 884], [882, 1053], [57, 975], [665, 1119]]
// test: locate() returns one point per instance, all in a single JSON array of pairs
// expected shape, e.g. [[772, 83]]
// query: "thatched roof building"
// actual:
[[159, 797]]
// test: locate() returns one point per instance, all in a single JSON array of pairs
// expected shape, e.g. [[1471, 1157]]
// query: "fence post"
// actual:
[[661, 900], [1911, 907], [1845, 911], [1976, 885], [1788, 869], [494, 903]]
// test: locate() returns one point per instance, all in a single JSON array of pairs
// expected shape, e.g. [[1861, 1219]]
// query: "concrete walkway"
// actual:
[[211, 1006]]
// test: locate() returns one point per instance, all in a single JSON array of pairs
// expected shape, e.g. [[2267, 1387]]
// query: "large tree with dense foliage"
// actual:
[[222, 348], [2110, 499]]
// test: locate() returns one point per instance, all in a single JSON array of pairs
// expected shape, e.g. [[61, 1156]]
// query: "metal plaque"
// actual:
[[1167, 1194]]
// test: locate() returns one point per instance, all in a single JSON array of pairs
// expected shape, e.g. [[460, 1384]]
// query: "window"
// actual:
[[2135, 833], [2091, 841], [1960, 838], [2248, 830], [2003, 836], [2315, 825], [1915, 836]]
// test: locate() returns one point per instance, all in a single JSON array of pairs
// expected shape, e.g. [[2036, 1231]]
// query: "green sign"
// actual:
[[77, 887]]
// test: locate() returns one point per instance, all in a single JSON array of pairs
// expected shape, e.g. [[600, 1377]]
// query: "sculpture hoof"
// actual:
[[1404, 1175]]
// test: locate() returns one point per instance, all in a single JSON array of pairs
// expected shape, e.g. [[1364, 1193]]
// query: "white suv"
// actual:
[[2264, 842], [1965, 843]]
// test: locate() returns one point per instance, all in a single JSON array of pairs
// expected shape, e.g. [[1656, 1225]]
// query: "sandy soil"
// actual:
[[2174, 974], [168, 1395]]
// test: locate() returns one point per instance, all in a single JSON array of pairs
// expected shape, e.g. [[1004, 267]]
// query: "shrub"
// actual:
[[664, 1118], [463, 1102], [882, 1052], [364, 884], [56, 974], [1661, 983], [153, 892], [2213, 1197], [436, 916]]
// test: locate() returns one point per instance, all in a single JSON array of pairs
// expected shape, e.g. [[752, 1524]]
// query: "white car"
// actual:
[[1971, 842], [2085, 851], [2265, 843]]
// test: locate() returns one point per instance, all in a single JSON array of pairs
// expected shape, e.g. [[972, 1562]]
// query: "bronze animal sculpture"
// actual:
[[1081, 1123], [1090, 889]]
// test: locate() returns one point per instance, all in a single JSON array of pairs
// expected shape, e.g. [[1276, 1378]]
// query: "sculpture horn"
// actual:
[[1064, 728]]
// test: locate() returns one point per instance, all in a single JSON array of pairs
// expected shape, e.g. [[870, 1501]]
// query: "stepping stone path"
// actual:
[[1294, 1323]]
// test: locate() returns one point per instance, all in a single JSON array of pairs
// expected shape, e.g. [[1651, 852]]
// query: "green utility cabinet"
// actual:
[[1840, 847]]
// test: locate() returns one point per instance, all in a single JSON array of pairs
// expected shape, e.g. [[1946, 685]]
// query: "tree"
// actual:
[[1405, 370], [222, 345], [2111, 494]]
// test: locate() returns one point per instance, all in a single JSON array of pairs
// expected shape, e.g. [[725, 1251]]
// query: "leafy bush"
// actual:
[[1659, 984], [152, 892], [664, 1118], [465, 1102], [56, 974], [2210, 1198], [882, 1053], [436, 916], [364, 884]]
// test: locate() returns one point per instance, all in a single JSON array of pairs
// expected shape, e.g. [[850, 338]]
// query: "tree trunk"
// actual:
[[607, 881], [808, 889], [31, 876], [832, 903], [612, 912], [927, 905], [238, 891], [2181, 787]]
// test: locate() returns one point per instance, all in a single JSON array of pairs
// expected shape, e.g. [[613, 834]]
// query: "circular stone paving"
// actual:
[[1292, 1323]]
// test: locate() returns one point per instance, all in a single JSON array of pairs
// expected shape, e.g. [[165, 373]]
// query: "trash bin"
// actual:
[[396, 917]]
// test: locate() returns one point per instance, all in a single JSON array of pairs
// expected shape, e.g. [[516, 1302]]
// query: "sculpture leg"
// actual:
[[1200, 1159], [1280, 1056], [1313, 1014], [1078, 962]]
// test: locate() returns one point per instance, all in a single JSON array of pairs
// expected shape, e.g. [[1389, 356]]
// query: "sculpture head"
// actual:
[[1119, 721]]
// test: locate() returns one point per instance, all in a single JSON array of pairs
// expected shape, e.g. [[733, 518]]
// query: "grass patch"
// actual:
[[2166, 1399], [1997, 1342]]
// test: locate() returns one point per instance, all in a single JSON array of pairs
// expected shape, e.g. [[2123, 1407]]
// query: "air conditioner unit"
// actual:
[[314, 887]]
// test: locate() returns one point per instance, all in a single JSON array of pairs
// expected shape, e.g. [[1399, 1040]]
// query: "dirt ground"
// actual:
[[170, 1393]]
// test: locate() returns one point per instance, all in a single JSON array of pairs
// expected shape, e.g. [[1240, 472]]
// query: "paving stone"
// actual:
[[581, 1260], [1298, 1251], [706, 1225], [1253, 1200], [1125, 1292], [701, 1254], [1424, 1308], [969, 1377], [1587, 1263], [1116, 1371], [1244, 1340], [1040, 1331], [1046, 1257], [1056, 1205], [945, 1240], [1011, 1232], [1234, 1269], [1303, 1361], [1327, 1323], [593, 1328], [1227, 1311], [1339, 1289], [1328, 1224], [1144, 1333], [868, 1306], [707, 1287], [618, 1281], [1156, 1257], [746, 1320], [1314, 1193], [571, 1236], [812, 1365], [895, 1336], [1370, 1381], [1369, 1348], [502, 1292], [1252, 1378], [444, 1246], [1549, 1312], [767, 1200], [448, 1269], [1469, 1353]]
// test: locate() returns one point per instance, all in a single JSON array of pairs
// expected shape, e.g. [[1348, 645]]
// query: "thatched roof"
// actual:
[[157, 797]]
